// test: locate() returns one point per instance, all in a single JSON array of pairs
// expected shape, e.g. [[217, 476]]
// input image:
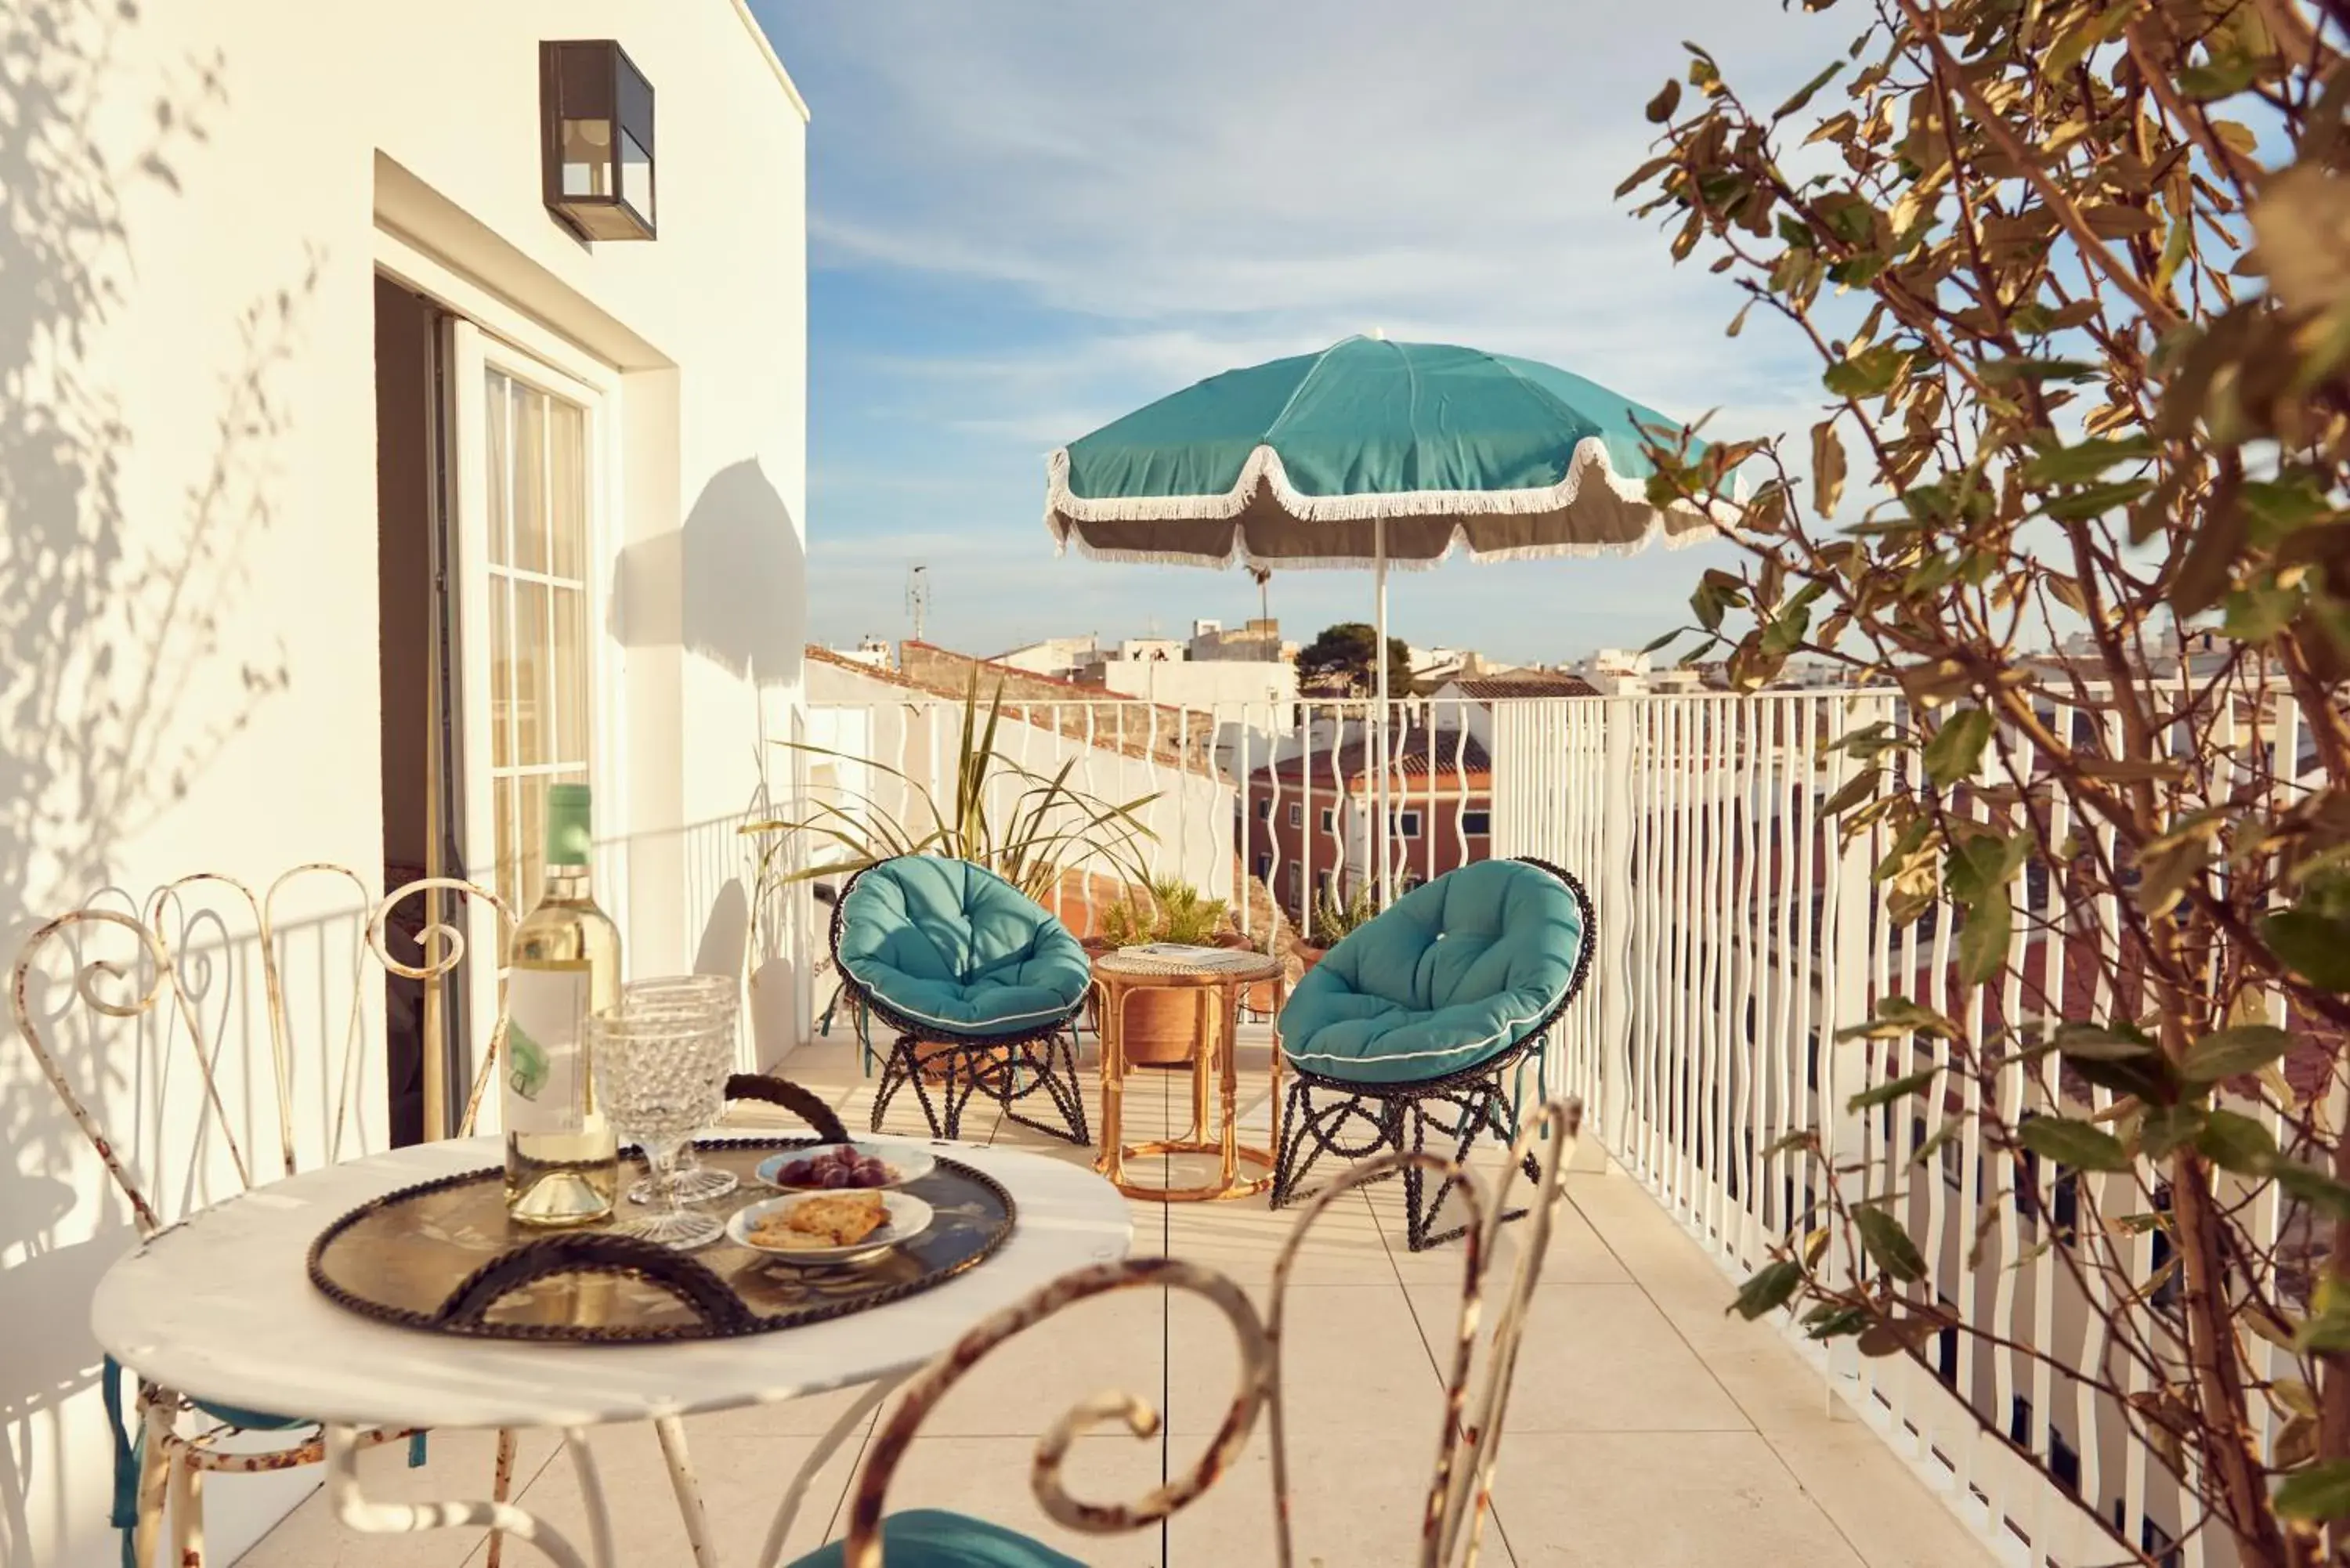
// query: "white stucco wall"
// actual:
[[190, 231], [1209, 683]]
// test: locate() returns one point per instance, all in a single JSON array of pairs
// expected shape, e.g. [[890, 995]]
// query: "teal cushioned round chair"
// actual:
[[934, 1538], [1416, 1021], [980, 983]]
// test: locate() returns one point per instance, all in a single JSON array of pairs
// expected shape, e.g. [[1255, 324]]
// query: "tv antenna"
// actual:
[[917, 596]]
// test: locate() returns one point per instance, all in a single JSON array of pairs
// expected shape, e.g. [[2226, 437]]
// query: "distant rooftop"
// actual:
[[1491, 688]]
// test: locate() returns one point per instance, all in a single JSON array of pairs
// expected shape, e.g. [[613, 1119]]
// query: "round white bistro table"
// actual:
[[220, 1307]]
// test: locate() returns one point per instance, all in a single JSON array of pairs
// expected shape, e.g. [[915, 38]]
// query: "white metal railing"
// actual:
[[1738, 935], [1274, 794]]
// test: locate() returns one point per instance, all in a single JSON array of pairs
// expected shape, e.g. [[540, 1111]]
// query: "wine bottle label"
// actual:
[[546, 1054]]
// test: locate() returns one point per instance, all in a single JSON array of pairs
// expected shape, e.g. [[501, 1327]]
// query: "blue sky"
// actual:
[[1029, 216]]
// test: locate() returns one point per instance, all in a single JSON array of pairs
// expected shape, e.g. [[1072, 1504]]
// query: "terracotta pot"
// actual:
[[932, 1058], [1162, 1027]]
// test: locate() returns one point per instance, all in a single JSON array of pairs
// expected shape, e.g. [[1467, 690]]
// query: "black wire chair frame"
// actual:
[[1009, 1069], [1357, 1120]]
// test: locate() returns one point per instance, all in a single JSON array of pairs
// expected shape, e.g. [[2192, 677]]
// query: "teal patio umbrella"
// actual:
[[1370, 453]]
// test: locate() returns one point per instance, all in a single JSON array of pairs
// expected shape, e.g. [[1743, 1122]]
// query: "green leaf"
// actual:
[[1805, 94], [2119, 1057], [1770, 1288], [1956, 747], [2102, 1042], [2096, 501], [2073, 1143], [1861, 786], [1667, 640], [2260, 612], [2314, 946], [1835, 1321], [1896, 1016], [2086, 460], [2278, 507], [1868, 374], [2220, 78], [2232, 1051], [1981, 867], [1887, 1244], [2073, 45], [2024, 368], [2170, 1128], [2320, 1491], [1983, 939], [2236, 1143], [1896, 1089]]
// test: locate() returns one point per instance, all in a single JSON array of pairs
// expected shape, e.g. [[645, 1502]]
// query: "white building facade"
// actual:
[[353, 498]]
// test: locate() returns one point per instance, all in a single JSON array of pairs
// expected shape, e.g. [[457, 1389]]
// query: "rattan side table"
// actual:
[[1216, 977]]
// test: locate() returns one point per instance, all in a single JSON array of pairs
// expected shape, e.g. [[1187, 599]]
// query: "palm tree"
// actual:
[[1263, 575]]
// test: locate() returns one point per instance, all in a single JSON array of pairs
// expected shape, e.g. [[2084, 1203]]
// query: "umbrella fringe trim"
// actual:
[[1264, 467], [1654, 537]]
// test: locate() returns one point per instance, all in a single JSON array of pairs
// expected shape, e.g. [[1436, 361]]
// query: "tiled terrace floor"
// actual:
[[1647, 1430]]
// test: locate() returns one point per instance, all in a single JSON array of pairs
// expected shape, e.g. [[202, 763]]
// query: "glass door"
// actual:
[[527, 485]]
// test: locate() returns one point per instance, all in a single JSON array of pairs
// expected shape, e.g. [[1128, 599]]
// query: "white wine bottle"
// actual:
[[562, 1163]]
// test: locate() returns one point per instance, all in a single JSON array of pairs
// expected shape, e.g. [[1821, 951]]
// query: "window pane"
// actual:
[[534, 683], [573, 724], [498, 412], [505, 874], [636, 175], [529, 479], [502, 671], [533, 843], [567, 432]]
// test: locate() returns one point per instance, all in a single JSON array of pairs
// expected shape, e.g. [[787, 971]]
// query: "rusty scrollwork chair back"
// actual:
[[172, 973], [1476, 1389]]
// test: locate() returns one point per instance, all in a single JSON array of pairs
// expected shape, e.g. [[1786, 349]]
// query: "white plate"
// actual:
[[909, 1218], [906, 1163]]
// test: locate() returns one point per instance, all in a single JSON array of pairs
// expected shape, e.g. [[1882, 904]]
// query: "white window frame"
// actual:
[[477, 355], [1470, 816], [1329, 819], [1296, 814], [1408, 824]]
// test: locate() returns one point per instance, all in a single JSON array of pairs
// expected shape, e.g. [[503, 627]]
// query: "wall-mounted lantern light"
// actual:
[[596, 111]]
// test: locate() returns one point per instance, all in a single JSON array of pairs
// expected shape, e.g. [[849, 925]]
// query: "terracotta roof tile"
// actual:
[[1491, 688]]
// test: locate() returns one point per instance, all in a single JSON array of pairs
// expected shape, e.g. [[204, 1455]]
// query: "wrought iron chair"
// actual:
[[980, 983], [1421, 1021], [1468, 1438], [183, 1440]]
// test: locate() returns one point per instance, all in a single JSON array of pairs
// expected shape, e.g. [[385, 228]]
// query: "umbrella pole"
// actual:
[[1382, 827]]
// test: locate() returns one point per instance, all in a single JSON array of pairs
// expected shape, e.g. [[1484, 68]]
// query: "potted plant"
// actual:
[[1333, 920], [1031, 828], [1161, 1027]]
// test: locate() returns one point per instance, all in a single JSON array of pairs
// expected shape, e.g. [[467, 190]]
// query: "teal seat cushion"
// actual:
[[1454, 972], [951, 944], [933, 1538]]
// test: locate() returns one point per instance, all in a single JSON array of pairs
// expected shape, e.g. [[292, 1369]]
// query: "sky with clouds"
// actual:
[[1028, 217]]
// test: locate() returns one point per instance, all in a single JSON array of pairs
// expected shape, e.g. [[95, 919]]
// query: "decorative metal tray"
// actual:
[[443, 1257]]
